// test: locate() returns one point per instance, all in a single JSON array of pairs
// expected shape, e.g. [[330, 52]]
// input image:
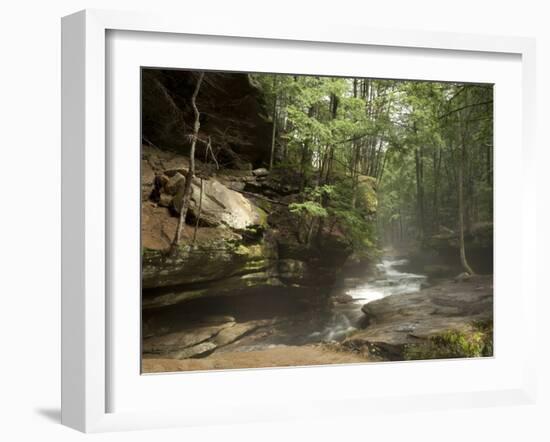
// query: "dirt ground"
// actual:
[[283, 356]]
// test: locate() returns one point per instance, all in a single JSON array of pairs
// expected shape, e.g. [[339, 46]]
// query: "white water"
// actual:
[[344, 318], [390, 281]]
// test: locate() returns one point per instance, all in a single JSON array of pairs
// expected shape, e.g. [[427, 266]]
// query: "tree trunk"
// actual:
[[400, 226], [305, 159], [437, 174], [274, 117], [355, 173], [191, 171], [463, 259], [420, 191], [198, 215]]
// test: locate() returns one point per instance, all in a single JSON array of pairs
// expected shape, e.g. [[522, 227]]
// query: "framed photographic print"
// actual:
[[250, 214]]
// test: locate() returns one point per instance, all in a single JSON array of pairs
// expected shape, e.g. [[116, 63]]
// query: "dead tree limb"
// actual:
[[191, 171], [255, 195], [198, 214]]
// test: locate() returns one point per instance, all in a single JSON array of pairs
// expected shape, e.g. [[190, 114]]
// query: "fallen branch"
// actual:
[[255, 195], [464, 107]]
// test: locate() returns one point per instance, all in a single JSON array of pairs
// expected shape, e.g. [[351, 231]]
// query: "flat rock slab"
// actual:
[[181, 340], [229, 335], [399, 320], [200, 341]]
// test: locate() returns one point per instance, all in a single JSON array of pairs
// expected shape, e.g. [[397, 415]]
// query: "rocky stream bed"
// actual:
[[388, 315]]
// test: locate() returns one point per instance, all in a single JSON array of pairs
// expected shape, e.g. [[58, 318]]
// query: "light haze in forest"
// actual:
[[293, 220]]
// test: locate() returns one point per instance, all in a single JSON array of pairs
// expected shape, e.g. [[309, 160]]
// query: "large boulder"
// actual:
[[213, 202], [221, 205]]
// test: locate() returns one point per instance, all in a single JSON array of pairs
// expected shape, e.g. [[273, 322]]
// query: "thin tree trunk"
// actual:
[[305, 158], [381, 172], [355, 173], [437, 174], [191, 171], [400, 226], [419, 191], [274, 132], [303, 165], [463, 259], [198, 215]]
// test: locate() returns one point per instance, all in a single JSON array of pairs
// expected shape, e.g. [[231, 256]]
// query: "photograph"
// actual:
[[293, 220]]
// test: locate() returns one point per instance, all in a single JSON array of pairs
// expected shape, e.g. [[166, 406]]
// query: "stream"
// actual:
[[343, 318], [389, 281], [284, 322]]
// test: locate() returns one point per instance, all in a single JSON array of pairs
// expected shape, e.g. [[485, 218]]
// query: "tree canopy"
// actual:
[[424, 149]]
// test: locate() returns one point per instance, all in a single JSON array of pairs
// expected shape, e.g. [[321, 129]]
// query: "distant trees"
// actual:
[[448, 129], [428, 146]]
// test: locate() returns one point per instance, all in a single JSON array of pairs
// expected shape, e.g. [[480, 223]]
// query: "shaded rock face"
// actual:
[[238, 249], [216, 268], [444, 249], [231, 268], [232, 114], [399, 323]]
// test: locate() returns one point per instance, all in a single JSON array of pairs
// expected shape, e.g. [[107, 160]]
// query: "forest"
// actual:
[[304, 209], [425, 146]]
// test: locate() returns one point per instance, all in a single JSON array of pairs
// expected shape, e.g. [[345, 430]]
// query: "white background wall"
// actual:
[[30, 215]]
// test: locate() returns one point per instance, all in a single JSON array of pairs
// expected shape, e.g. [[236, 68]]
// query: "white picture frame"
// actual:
[[87, 355]]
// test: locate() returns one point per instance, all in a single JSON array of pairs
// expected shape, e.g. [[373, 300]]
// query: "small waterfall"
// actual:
[[390, 281]]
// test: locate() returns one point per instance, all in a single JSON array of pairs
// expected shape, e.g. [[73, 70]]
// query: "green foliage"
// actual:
[[455, 344], [308, 208], [442, 126], [408, 136], [355, 223]]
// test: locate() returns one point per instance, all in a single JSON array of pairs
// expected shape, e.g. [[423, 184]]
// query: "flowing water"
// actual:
[[389, 281], [344, 317], [300, 327]]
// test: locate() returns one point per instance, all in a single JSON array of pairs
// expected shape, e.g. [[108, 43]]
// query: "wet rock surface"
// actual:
[[399, 321]]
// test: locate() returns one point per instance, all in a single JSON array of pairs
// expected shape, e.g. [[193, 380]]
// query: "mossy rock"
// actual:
[[211, 260], [368, 197], [473, 341]]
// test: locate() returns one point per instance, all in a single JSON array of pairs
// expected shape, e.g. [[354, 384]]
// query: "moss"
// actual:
[[255, 265], [477, 341], [368, 195], [253, 251], [263, 217]]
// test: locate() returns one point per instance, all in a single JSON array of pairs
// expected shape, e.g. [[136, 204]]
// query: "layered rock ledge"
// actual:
[[237, 240]]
